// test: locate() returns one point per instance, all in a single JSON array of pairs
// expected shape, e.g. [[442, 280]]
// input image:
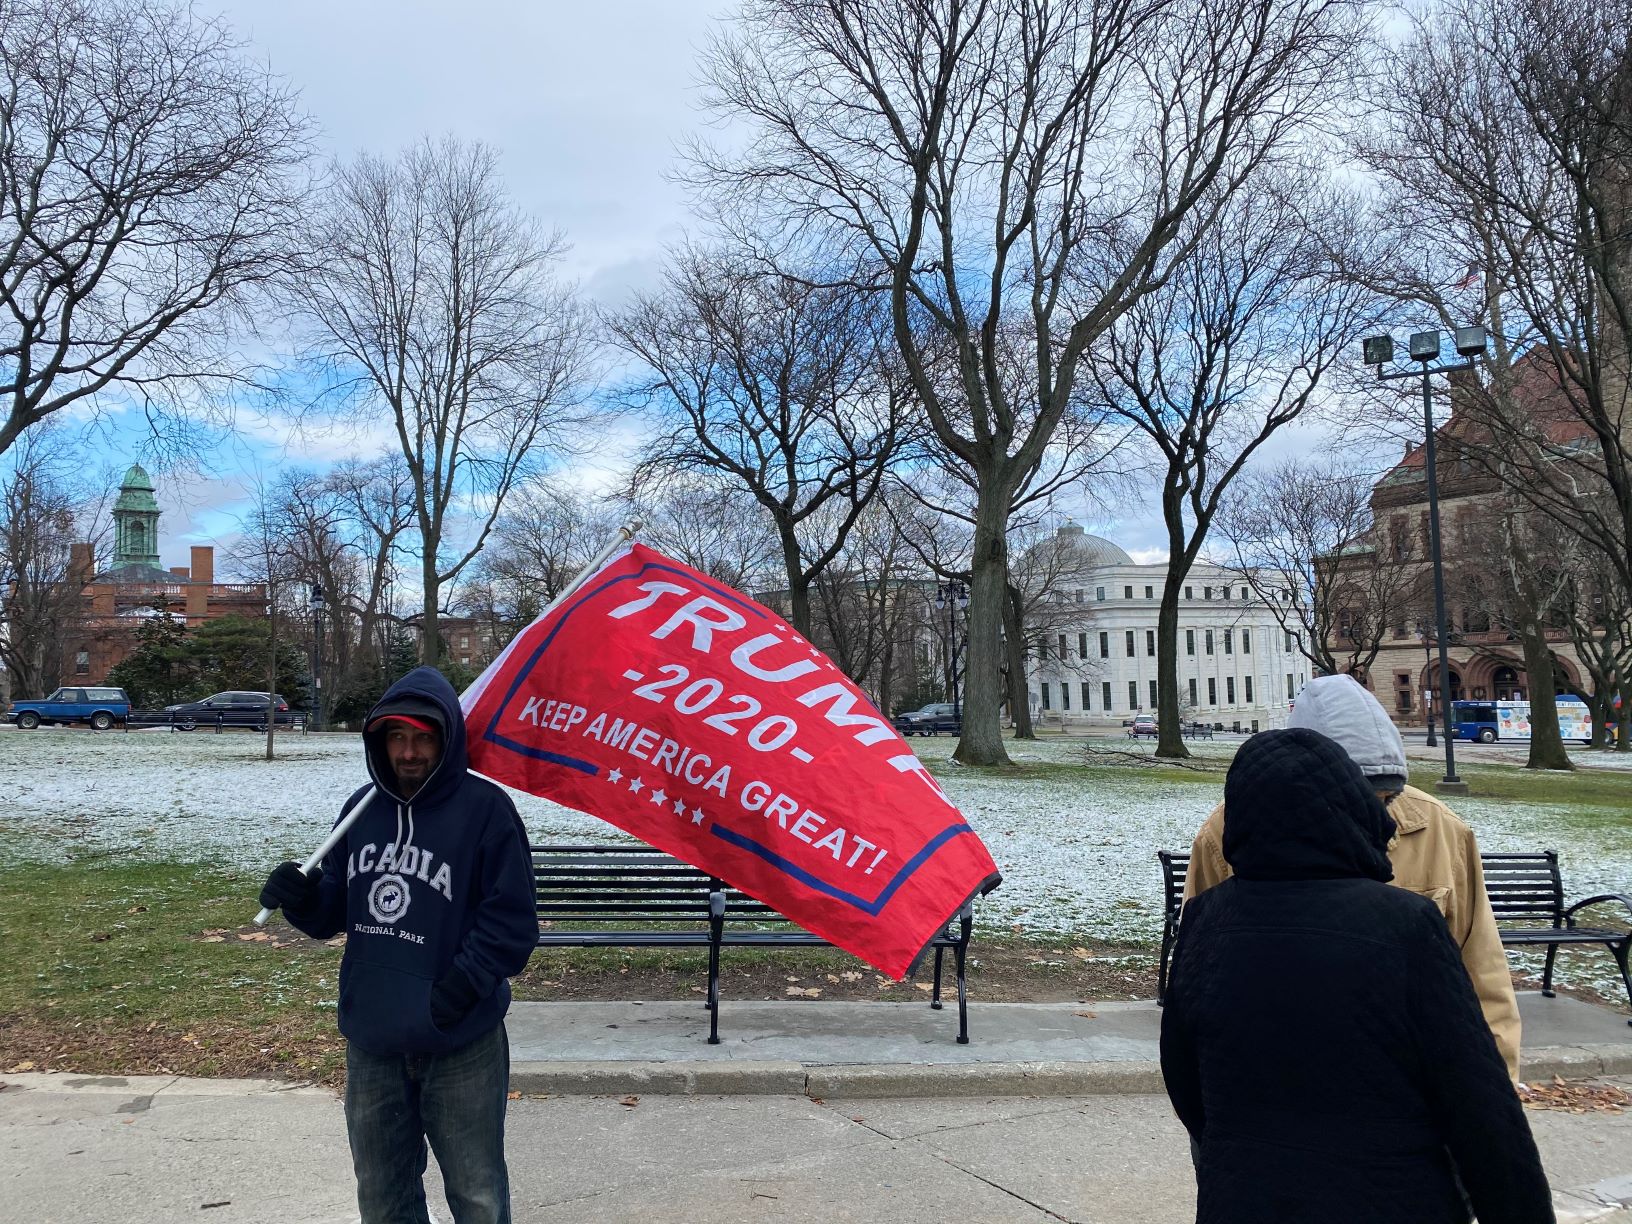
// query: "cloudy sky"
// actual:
[[587, 105]]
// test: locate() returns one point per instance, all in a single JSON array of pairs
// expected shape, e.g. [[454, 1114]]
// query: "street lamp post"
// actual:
[[317, 656], [1424, 346], [1427, 692], [954, 597]]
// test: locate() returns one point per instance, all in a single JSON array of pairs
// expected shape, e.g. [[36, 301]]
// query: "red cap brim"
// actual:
[[420, 723]]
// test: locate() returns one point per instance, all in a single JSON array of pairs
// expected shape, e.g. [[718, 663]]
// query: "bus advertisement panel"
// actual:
[[1489, 721]]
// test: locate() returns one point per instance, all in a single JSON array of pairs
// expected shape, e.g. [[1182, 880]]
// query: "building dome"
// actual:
[[1092, 551]]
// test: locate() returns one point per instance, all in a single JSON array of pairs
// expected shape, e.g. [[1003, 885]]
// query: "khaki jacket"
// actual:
[[1433, 854]]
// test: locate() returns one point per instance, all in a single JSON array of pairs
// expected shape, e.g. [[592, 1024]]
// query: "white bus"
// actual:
[[1489, 721]]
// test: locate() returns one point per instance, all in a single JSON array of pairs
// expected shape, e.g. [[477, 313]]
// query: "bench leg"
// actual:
[[935, 999], [1161, 967], [1547, 991], [712, 1001], [1620, 952], [958, 954]]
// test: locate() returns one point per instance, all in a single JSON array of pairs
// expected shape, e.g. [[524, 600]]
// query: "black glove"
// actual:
[[288, 887], [452, 996]]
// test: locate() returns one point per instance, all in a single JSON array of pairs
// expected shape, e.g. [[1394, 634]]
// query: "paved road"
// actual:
[[234, 1152]]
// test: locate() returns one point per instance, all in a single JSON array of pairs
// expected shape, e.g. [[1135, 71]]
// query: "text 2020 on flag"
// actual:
[[675, 708]]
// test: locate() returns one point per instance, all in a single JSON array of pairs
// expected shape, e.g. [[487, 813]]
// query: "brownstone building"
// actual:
[[135, 586], [1485, 657]]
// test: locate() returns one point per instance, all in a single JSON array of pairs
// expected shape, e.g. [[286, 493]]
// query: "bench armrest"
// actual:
[[1622, 898], [716, 904]]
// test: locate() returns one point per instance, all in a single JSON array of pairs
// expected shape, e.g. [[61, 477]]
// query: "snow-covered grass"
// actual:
[[1076, 842]]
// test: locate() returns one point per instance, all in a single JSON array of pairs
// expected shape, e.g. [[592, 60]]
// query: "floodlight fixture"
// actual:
[[1378, 350], [1471, 341], [1424, 345]]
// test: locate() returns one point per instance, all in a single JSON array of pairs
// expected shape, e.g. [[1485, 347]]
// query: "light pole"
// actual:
[[1379, 351], [1427, 692], [954, 597], [317, 656]]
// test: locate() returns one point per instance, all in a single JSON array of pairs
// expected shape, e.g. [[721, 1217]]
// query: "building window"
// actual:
[[1153, 694], [1133, 694], [1065, 695], [1062, 648], [82, 663], [1229, 641], [1078, 594], [464, 660], [1099, 593], [1192, 694], [1044, 687], [1189, 641], [464, 641], [1246, 641], [1291, 641], [1229, 689], [1247, 681], [1189, 592], [1148, 594], [1104, 645], [1082, 645], [1208, 641], [1127, 592], [1290, 692], [1130, 643], [1087, 704], [1206, 592], [1105, 695], [1150, 643], [1212, 691], [1243, 592]]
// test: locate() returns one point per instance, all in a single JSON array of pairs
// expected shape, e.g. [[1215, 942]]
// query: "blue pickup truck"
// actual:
[[101, 707]]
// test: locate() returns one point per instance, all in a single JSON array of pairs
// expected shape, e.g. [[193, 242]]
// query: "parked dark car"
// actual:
[[931, 720], [100, 706], [230, 709]]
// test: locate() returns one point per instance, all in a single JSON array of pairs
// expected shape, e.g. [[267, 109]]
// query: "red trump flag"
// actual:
[[671, 706]]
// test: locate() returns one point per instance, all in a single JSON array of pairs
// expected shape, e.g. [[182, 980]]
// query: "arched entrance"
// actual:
[[1507, 684]]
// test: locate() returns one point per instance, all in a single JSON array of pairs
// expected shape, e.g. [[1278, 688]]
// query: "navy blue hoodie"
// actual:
[[443, 879]]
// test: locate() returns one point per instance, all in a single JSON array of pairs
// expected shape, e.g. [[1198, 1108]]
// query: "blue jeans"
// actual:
[[395, 1103]]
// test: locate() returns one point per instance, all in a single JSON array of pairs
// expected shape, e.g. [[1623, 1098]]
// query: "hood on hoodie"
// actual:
[[1343, 709], [428, 684], [1300, 809]]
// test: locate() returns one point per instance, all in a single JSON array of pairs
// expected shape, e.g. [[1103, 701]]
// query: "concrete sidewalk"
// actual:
[[834, 1050], [79, 1150]]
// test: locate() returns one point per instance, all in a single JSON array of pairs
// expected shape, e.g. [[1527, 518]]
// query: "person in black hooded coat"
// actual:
[[1321, 1041]]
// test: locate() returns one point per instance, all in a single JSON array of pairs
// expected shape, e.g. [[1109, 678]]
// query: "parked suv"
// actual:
[[1143, 725], [230, 709], [101, 707], [931, 720]]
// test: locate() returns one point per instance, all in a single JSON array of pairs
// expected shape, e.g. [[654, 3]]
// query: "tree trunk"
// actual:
[[1014, 644], [1170, 729], [1546, 745], [982, 739], [1598, 703], [1623, 724], [271, 667], [798, 583], [430, 638]]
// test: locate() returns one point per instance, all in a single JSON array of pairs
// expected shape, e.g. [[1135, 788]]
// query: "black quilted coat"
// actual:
[[1321, 1040]]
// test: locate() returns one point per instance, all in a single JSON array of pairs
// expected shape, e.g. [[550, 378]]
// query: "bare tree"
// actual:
[[44, 511], [379, 512], [1019, 173], [433, 300], [150, 182], [1301, 534], [1229, 351], [774, 383], [717, 529]]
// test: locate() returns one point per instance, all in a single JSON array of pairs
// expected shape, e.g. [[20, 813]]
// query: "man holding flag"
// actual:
[[432, 884]]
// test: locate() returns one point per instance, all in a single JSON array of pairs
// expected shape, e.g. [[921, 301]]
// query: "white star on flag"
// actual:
[[635, 784], [679, 807], [659, 798], [697, 816], [615, 775]]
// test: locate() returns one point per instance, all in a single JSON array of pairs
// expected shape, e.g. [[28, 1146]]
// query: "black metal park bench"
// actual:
[[1526, 894], [633, 896]]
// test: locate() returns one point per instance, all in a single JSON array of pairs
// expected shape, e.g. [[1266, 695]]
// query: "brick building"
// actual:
[[135, 585]]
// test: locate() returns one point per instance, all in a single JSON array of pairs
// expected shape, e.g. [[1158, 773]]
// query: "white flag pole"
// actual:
[[624, 534]]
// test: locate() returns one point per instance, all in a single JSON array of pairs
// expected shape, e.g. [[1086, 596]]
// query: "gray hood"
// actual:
[[1343, 709]]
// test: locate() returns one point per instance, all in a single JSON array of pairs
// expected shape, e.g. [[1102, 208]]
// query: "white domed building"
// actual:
[[1096, 661]]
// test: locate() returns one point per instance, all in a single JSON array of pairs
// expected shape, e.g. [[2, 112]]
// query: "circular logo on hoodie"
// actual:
[[388, 898]]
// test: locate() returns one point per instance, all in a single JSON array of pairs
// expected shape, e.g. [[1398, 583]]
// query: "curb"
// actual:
[[1574, 1062]]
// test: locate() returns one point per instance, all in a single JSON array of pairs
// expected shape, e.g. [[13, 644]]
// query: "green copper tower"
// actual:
[[136, 522]]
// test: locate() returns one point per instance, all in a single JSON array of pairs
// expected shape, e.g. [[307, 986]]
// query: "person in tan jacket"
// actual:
[[1433, 852]]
